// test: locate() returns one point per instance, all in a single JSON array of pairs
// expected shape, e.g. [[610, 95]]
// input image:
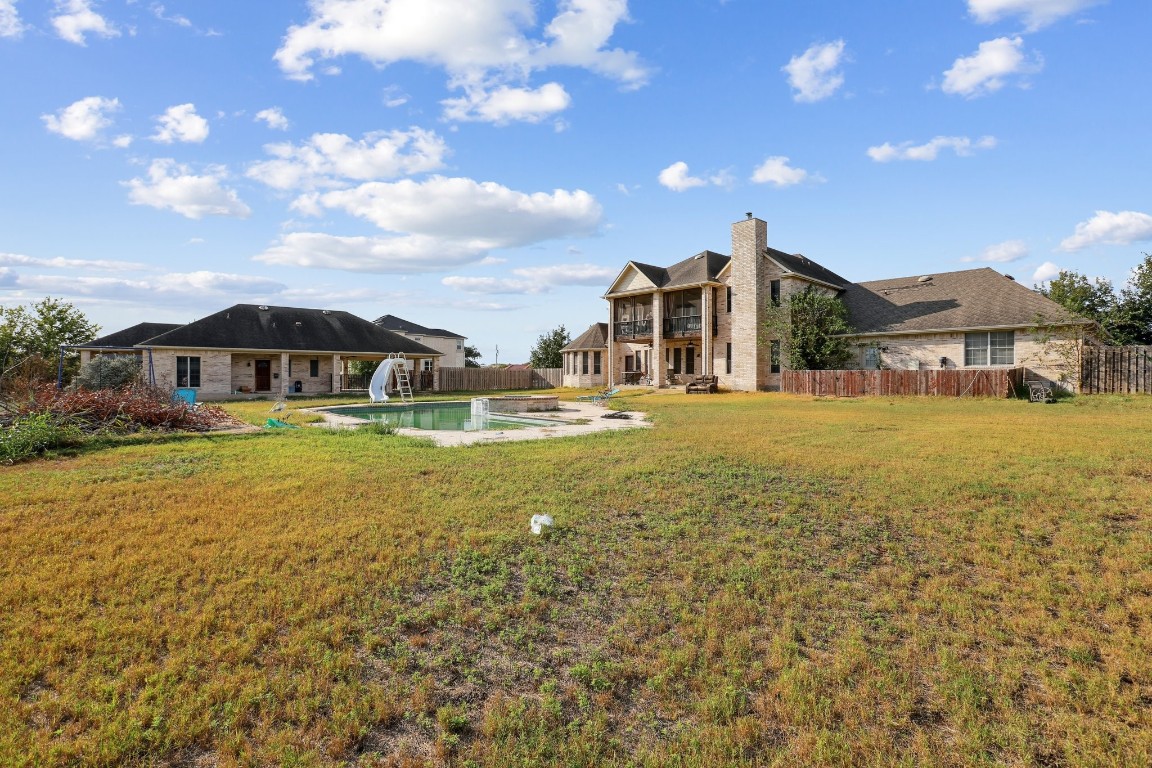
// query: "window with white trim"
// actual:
[[990, 348]]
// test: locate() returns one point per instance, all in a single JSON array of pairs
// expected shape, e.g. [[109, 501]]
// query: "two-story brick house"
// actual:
[[707, 315]]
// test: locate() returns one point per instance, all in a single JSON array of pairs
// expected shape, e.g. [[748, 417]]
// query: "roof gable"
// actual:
[[971, 298], [638, 277], [704, 267], [287, 329]]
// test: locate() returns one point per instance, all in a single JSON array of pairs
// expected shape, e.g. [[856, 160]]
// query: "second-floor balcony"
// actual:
[[687, 325], [633, 329]]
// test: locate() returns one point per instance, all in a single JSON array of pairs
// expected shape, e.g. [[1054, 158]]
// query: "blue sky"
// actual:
[[488, 166]]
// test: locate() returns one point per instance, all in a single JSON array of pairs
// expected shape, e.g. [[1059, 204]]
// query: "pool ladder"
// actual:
[[403, 381]]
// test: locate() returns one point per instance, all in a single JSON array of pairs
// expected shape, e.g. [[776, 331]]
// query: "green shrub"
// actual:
[[109, 372], [31, 435]]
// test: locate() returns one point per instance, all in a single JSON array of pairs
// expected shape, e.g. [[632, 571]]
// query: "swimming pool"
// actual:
[[438, 416]]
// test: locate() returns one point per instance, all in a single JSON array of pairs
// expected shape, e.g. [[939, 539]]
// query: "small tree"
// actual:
[[109, 372], [546, 353], [811, 326], [471, 357], [1094, 300], [41, 329]]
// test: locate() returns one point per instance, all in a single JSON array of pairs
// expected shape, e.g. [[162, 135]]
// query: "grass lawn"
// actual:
[[761, 580]]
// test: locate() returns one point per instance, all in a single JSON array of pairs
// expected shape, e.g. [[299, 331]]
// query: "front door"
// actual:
[[263, 375], [690, 361]]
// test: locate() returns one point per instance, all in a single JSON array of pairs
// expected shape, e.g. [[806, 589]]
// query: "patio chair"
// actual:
[[188, 395], [601, 398], [593, 398]]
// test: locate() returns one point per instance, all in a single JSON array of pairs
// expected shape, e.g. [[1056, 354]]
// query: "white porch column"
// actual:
[[658, 371]]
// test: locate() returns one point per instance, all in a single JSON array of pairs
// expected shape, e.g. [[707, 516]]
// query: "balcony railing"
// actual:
[[633, 329], [682, 326]]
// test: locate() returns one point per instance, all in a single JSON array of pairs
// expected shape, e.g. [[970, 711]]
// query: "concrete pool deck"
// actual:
[[570, 411]]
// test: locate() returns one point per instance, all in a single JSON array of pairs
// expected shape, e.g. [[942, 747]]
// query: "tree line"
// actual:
[[1125, 315]]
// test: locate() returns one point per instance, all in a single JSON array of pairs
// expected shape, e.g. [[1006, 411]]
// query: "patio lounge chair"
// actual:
[[600, 396]]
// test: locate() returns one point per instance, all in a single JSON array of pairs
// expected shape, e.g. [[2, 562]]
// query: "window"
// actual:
[[459, 346], [775, 287], [775, 356], [728, 302], [596, 362], [871, 357], [313, 368], [584, 362], [993, 348], [728, 358], [187, 371], [427, 365], [676, 353]]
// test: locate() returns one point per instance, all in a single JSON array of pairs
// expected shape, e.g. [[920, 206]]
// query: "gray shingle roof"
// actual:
[[393, 323], [288, 329], [970, 298], [596, 337], [801, 265], [130, 337]]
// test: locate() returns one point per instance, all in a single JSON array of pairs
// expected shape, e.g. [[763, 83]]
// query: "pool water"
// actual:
[[440, 416]]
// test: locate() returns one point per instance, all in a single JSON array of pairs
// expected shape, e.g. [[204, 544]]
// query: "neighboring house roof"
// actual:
[[400, 325], [971, 298], [287, 329], [596, 337], [519, 367], [130, 337], [804, 267]]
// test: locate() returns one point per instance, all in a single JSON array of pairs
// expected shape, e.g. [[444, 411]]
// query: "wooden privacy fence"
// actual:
[[984, 382], [1115, 370], [488, 379]]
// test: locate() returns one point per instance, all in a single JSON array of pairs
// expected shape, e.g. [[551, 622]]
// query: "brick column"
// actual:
[[284, 386], [706, 331], [749, 294], [611, 344], [659, 370], [336, 381]]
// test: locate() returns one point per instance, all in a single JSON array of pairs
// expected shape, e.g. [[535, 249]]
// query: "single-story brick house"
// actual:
[[706, 315], [260, 349]]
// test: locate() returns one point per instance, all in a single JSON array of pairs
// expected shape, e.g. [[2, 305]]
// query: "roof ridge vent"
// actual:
[[263, 306], [924, 279]]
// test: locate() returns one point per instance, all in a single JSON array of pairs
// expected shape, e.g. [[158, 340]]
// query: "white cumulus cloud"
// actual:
[[274, 118], [505, 104], [76, 18], [1045, 272], [1122, 228], [439, 224], [676, 178], [568, 274], [483, 45], [1036, 13], [908, 150], [174, 187], [83, 120], [331, 159], [1002, 253], [989, 69], [815, 74], [181, 123], [10, 24], [776, 171]]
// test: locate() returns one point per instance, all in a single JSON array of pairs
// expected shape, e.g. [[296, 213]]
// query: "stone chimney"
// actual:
[[750, 356]]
